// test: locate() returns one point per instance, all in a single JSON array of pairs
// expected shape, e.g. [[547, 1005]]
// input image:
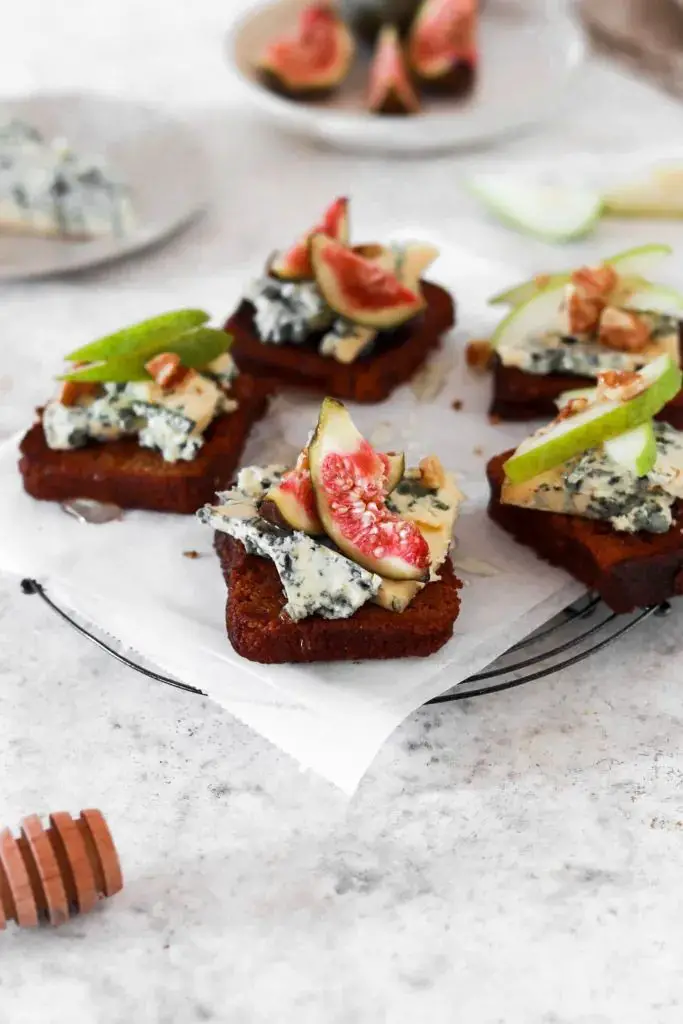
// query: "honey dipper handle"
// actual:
[[52, 874]]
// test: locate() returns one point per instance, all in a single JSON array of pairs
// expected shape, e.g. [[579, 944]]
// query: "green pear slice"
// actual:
[[636, 450], [634, 264], [196, 348], [655, 298], [535, 316], [596, 424], [657, 194], [528, 289], [640, 260], [147, 335], [554, 213]]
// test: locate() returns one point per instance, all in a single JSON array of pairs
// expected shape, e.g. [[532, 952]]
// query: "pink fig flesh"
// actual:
[[360, 289], [292, 503], [295, 264], [314, 59], [391, 90], [350, 480], [442, 48]]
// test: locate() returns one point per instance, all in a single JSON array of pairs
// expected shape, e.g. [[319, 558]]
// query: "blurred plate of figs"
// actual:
[[406, 76]]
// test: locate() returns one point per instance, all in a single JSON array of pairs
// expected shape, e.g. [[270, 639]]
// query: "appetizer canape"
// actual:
[[599, 490], [565, 329], [349, 321], [343, 556], [153, 417]]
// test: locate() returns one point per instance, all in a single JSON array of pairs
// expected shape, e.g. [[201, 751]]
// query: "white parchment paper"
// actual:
[[131, 579]]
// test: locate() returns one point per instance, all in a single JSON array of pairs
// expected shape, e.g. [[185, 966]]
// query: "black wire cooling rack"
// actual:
[[582, 629]]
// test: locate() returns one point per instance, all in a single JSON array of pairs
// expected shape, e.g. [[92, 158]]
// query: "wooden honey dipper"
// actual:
[[55, 873]]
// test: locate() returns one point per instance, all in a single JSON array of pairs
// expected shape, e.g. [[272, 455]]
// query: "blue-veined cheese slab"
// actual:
[[591, 485], [317, 580]]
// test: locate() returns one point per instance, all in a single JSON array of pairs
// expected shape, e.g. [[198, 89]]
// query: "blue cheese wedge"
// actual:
[[287, 311], [593, 486], [557, 351], [435, 511], [48, 189], [172, 423], [316, 579]]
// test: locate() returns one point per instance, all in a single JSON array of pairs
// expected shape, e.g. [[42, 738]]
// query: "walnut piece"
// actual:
[[583, 314], [167, 370], [432, 473], [595, 282], [72, 391], [589, 293], [623, 330], [619, 385], [479, 355]]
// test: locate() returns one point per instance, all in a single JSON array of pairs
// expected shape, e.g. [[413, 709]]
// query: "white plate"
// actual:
[[157, 157], [529, 54]]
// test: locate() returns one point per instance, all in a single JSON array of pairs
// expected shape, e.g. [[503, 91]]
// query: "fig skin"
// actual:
[[305, 94], [273, 512], [295, 263], [459, 80], [319, 28], [292, 502], [407, 305], [449, 67]]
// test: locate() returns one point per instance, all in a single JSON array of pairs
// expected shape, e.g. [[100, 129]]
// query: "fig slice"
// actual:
[[391, 90], [291, 503], [360, 290], [312, 61], [295, 263], [350, 479], [442, 44]]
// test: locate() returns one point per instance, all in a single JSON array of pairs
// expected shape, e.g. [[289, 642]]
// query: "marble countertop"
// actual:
[[507, 860]]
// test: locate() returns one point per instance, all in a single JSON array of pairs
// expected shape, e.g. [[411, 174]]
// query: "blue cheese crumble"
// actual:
[[287, 311], [46, 188], [172, 423]]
